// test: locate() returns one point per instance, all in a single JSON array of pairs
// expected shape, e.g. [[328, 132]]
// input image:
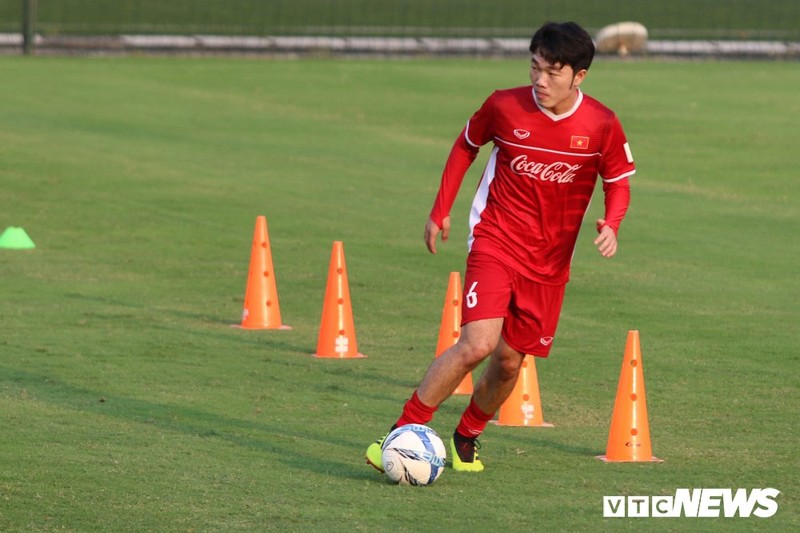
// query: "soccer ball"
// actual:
[[413, 455]]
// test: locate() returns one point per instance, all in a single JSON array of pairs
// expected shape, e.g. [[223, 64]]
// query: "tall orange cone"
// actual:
[[450, 328], [629, 437], [524, 406], [337, 333], [261, 307]]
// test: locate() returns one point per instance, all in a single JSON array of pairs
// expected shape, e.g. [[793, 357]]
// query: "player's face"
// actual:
[[556, 86]]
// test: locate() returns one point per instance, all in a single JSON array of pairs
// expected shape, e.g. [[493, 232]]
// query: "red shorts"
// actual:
[[531, 310]]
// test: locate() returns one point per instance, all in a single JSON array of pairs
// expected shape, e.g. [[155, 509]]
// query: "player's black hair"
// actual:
[[564, 43]]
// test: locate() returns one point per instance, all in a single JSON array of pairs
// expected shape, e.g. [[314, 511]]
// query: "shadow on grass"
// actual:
[[281, 444], [213, 327], [273, 342], [539, 442]]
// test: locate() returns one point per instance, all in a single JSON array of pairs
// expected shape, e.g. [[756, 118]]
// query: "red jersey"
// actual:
[[539, 179]]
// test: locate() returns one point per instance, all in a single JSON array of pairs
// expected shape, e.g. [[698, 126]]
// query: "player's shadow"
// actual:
[[280, 444]]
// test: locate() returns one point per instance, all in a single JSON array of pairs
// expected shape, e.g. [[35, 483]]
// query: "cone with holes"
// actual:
[[629, 437], [261, 307], [337, 333], [450, 328], [524, 406]]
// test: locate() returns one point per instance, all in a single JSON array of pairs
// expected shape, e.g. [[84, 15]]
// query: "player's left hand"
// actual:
[[607, 240]]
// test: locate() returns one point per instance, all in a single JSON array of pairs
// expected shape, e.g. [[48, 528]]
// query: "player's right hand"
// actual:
[[432, 231]]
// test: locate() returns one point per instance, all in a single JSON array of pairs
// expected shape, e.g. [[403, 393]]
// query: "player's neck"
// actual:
[[565, 107], [568, 104]]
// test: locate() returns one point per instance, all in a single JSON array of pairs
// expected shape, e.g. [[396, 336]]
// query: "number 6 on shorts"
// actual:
[[472, 296]]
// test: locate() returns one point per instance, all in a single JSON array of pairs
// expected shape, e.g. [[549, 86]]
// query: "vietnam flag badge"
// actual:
[[579, 142]]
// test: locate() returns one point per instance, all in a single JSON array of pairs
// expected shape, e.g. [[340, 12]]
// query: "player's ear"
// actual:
[[578, 78]]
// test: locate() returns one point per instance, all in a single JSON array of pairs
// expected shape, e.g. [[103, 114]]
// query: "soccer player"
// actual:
[[550, 142]]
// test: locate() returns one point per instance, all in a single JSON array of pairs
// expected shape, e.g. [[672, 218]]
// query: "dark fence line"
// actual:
[[672, 19], [295, 46], [389, 26]]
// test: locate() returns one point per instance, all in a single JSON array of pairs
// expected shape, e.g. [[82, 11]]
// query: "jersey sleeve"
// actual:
[[617, 196], [480, 127], [616, 160], [475, 134], [616, 166]]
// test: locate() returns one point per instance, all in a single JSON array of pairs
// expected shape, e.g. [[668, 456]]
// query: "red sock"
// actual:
[[473, 421], [415, 412]]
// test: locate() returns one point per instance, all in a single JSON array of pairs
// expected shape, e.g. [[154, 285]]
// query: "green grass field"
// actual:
[[129, 403]]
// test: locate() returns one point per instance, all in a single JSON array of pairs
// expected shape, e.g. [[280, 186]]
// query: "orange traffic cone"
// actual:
[[450, 328], [629, 437], [261, 307], [337, 333], [524, 406]]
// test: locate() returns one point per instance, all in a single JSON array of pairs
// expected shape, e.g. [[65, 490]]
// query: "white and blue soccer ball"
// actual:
[[413, 455]]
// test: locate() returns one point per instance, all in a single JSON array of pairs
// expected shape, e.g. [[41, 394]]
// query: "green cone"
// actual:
[[16, 239]]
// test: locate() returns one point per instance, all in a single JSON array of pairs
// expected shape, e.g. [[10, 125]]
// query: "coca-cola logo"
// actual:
[[558, 172]]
